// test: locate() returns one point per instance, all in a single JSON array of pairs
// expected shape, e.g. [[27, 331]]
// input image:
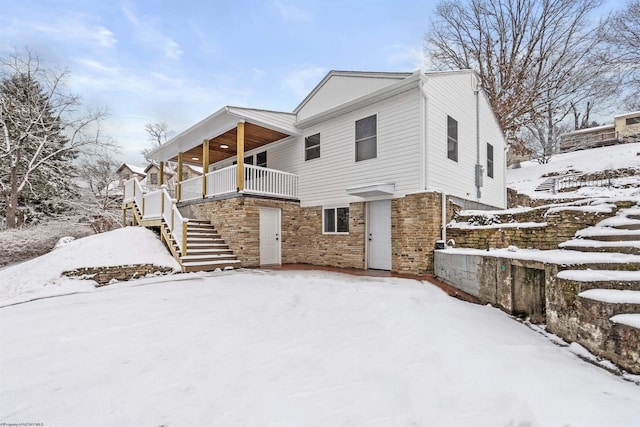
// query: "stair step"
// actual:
[[629, 319], [602, 279], [214, 257], [612, 296], [209, 266], [608, 234], [197, 234], [213, 251], [590, 245]]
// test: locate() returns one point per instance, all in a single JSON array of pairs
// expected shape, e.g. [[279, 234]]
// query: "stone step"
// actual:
[[589, 245], [631, 320], [600, 279], [612, 296], [608, 234], [546, 185]]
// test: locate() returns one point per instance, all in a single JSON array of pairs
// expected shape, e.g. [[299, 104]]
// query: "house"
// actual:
[[127, 171], [625, 128], [152, 181], [355, 176]]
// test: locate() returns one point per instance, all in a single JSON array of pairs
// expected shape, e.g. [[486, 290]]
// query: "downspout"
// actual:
[[423, 134], [478, 170], [443, 233]]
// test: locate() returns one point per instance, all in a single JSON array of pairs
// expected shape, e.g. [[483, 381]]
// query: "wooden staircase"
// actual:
[[206, 249]]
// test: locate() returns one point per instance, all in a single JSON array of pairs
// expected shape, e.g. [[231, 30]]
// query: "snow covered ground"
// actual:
[[264, 348], [526, 178]]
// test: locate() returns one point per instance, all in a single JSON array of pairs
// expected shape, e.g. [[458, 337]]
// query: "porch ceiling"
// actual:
[[255, 136]]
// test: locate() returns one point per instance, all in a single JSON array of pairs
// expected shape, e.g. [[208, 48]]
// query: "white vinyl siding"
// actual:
[[451, 95], [325, 180]]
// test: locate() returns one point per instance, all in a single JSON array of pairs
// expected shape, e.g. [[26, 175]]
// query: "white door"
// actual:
[[269, 236], [379, 237]]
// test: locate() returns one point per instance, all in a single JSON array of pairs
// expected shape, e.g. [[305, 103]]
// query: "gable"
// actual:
[[339, 87]]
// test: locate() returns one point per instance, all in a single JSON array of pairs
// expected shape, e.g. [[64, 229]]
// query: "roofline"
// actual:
[[370, 74], [625, 115]]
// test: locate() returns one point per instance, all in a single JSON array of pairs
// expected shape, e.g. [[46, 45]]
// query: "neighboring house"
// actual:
[[353, 177], [127, 171], [152, 181], [625, 128]]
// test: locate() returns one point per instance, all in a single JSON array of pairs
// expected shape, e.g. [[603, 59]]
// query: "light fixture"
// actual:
[[195, 158], [224, 146]]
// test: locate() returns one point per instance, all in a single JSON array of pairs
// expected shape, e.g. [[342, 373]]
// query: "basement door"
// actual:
[[379, 238], [270, 236]]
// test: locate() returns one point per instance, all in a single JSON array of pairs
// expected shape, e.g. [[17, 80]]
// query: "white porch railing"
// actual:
[[159, 205], [270, 182], [222, 181], [191, 189]]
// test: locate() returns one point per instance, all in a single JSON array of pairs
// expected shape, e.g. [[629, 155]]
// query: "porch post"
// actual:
[[161, 177], [205, 166], [180, 155], [240, 159]]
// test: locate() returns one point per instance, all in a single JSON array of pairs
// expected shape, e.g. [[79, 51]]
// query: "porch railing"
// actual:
[[191, 189], [222, 181], [159, 205], [270, 182]]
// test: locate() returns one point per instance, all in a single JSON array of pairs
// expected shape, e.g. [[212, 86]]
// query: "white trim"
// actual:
[[372, 190]]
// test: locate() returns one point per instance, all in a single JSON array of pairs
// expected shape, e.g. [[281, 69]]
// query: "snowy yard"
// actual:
[[291, 349]]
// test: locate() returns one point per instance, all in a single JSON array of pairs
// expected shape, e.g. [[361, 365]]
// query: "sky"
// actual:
[[180, 61]]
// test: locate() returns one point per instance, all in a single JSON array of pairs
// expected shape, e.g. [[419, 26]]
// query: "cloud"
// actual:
[[147, 30], [291, 13], [407, 58], [76, 28], [301, 82]]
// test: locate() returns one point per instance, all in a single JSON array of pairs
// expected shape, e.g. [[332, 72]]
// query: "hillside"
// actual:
[[627, 156]]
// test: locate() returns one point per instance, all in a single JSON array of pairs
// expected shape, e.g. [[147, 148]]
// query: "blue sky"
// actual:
[[179, 61]]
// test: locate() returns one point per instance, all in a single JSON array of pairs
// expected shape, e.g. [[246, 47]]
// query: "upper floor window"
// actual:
[[153, 179], [335, 220], [312, 147], [452, 139], [366, 138], [489, 160], [261, 159], [633, 120]]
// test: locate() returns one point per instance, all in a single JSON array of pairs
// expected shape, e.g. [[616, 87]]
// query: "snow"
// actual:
[[603, 208], [467, 226], [42, 276], [289, 349], [632, 320], [598, 275], [526, 178], [587, 243], [606, 231], [554, 256], [614, 296]]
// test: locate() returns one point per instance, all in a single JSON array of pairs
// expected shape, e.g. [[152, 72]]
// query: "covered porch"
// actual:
[[224, 138]]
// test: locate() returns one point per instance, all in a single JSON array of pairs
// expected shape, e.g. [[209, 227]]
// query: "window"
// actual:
[[312, 147], [366, 140], [153, 179], [633, 120], [489, 160], [247, 161], [261, 159], [452, 139], [336, 220], [126, 177]]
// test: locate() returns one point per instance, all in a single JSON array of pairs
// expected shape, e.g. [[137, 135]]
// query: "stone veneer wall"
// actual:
[[415, 228], [238, 221]]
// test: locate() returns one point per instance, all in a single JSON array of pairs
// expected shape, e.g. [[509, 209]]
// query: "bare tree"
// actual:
[[158, 135], [103, 202], [622, 34], [42, 128], [537, 59]]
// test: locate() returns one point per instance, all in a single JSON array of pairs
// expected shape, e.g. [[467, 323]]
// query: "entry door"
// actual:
[[379, 237], [269, 236]]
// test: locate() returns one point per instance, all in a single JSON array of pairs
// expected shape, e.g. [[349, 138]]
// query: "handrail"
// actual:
[[270, 182], [128, 190], [222, 181]]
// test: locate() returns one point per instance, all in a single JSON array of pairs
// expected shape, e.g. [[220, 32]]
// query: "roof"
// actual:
[[367, 74], [591, 129], [271, 124], [625, 115], [138, 170]]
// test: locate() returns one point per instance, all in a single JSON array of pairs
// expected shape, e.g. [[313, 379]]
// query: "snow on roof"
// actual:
[[590, 130], [139, 170]]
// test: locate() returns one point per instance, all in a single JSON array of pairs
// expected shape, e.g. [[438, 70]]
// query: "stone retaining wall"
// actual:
[[105, 275]]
